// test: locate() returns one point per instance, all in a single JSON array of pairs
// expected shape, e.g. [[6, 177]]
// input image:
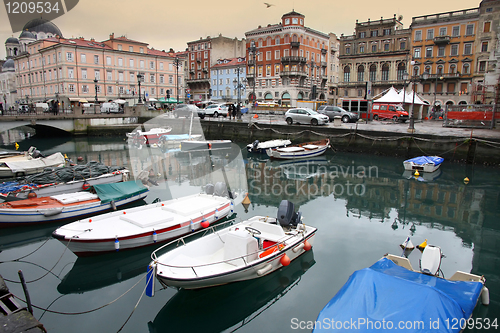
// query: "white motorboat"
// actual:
[[70, 205], [150, 136], [261, 147], [243, 251], [29, 163], [423, 163], [144, 225], [303, 150]]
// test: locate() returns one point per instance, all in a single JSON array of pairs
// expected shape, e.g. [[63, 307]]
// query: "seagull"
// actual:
[[268, 4]]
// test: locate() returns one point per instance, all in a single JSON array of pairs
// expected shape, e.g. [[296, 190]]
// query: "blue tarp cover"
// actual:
[[436, 160], [386, 292]]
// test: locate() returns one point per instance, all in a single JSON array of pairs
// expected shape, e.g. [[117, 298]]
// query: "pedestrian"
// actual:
[[234, 111], [238, 110], [229, 110]]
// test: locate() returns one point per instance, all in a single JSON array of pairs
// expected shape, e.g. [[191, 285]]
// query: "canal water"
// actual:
[[364, 206]]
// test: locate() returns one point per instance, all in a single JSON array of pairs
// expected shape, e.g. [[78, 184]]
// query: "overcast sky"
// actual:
[[171, 24]]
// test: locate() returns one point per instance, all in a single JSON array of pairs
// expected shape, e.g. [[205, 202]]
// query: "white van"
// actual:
[[110, 107], [43, 106]]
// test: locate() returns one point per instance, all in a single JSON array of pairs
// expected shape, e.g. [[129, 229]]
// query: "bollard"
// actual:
[[337, 121]]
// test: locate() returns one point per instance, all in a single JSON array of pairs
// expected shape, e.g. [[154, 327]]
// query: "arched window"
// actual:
[[453, 69], [427, 69], [287, 39], [361, 73], [268, 41], [373, 73], [416, 71], [260, 42], [385, 72], [440, 69], [347, 74], [401, 70], [466, 69], [277, 40], [295, 38]]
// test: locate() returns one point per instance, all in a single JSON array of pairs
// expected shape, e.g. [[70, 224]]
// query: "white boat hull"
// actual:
[[12, 217], [120, 230], [222, 272], [409, 166], [295, 155]]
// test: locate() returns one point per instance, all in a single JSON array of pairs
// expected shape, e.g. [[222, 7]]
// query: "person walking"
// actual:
[[229, 111], [234, 111]]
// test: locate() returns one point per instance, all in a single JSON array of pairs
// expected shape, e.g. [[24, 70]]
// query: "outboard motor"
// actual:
[[37, 154], [287, 215], [255, 144], [431, 260], [209, 189], [221, 189]]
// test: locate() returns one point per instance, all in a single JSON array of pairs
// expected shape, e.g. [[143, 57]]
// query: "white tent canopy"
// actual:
[[393, 96], [409, 98]]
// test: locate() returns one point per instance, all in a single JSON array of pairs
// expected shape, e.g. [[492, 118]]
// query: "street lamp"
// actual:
[[239, 85], [4, 103], [95, 103], [177, 63], [435, 90], [139, 78], [313, 92], [253, 50]]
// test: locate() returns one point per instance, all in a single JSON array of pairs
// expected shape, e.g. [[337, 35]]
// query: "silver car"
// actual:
[[305, 116], [216, 110], [334, 111]]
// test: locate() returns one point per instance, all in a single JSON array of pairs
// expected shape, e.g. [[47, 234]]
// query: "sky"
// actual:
[[171, 24]]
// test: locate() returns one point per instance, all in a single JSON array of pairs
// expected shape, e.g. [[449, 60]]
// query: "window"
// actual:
[[268, 55], [418, 35], [401, 71], [385, 72], [468, 48], [109, 76], [442, 31], [142, 64], [152, 78], [361, 73], [120, 62], [131, 49], [441, 51], [386, 47], [486, 27], [110, 89], [276, 69], [120, 47], [151, 65], [268, 70], [69, 56], [97, 75], [454, 50], [171, 79], [277, 40], [482, 66], [71, 88], [416, 52], [453, 69], [463, 88], [387, 32], [374, 47], [120, 76], [466, 69], [96, 59], [70, 73], [373, 73], [347, 50], [451, 87], [141, 50], [162, 79], [469, 30], [347, 74], [484, 47], [430, 33], [428, 52], [362, 34], [374, 33], [161, 68], [440, 70], [85, 89], [362, 49], [108, 61], [83, 58], [84, 73], [402, 45]]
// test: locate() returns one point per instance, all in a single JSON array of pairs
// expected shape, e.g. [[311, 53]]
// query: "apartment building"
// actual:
[[229, 80], [333, 69], [72, 70], [202, 55], [375, 56], [443, 49], [287, 61]]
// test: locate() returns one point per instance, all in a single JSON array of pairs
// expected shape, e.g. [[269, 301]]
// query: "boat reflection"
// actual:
[[422, 177], [20, 236], [237, 303]]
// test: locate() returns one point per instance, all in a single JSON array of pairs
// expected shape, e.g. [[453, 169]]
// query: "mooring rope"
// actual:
[[27, 255]]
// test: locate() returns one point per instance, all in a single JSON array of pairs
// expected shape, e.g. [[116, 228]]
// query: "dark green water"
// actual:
[[362, 205]]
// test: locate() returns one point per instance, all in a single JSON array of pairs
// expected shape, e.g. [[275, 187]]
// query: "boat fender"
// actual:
[[285, 260], [204, 223], [485, 296], [113, 205], [155, 236], [150, 280], [117, 244], [307, 246], [85, 186], [192, 225], [264, 269], [232, 207], [52, 212], [216, 214], [298, 248]]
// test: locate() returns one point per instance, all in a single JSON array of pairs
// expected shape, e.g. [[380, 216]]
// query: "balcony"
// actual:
[[442, 40], [200, 80], [205, 70], [250, 62], [292, 59], [324, 64], [323, 51], [198, 60], [293, 73], [295, 44]]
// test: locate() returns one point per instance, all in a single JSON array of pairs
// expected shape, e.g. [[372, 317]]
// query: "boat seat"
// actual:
[[270, 232], [186, 207], [153, 217], [290, 149], [310, 147], [239, 244], [69, 198]]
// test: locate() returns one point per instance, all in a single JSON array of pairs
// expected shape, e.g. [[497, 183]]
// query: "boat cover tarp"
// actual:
[[49, 161], [390, 293], [436, 160], [118, 191]]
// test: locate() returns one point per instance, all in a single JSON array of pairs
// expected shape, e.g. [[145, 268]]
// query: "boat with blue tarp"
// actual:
[[423, 163], [389, 293]]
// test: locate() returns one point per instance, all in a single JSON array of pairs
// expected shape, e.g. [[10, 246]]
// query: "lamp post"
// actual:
[[435, 90], [411, 126], [313, 92], [4, 104], [139, 78], [253, 50], [177, 63], [239, 85]]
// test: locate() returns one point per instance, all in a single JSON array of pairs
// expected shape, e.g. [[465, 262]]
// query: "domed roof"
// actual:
[[42, 25], [12, 40], [8, 65], [27, 34]]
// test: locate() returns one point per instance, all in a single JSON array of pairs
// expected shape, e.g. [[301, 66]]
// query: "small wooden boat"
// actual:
[[70, 205], [303, 150], [28, 164], [261, 147], [423, 163], [386, 294], [21, 192], [144, 225], [243, 251], [149, 137]]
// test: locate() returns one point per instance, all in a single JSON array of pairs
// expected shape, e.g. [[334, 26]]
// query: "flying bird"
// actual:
[[268, 4]]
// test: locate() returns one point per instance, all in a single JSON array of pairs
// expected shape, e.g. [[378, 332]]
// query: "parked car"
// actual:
[[389, 111], [333, 111], [42, 106], [216, 110], [305, 116], [23, 108], [110, 107], [185, 110]]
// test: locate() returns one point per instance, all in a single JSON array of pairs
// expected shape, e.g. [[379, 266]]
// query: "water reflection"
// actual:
[[216, 309]]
